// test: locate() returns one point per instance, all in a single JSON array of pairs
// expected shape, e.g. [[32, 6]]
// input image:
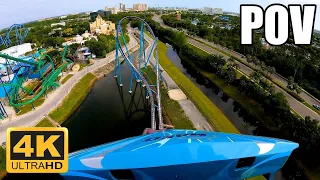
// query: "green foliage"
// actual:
[[97, 47], [43, 34], [45, 122], [74, 98], [2, 159], [66, 78], [224, 37]]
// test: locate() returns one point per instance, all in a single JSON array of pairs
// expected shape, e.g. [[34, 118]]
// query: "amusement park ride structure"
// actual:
[[139, 70], [174, 154], [39, 65]]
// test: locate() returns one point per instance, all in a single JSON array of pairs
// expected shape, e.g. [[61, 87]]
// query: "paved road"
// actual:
[[57, 96], [307, 97], [295, 105]]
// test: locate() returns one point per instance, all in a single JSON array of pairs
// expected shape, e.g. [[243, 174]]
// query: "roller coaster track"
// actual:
[[20, 33], [139, 73], [47, 81]]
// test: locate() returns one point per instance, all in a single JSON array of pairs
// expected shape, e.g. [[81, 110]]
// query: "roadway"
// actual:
[[56, 97], [297, 106]]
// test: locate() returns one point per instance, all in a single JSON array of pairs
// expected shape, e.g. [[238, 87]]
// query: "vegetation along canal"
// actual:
[[241, 119]]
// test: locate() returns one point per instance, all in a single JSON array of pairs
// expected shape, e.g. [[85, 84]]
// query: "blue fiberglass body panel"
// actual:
[[186, 154]]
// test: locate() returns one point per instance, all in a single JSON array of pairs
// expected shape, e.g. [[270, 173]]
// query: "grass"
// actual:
[[212, 113], [311, 107], [172, 108], [27, 108], [66, 78], [74, 98], [82, 66], [45, 122], [3, 174]]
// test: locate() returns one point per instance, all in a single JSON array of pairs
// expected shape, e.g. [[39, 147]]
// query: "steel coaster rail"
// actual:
[[137, 72]]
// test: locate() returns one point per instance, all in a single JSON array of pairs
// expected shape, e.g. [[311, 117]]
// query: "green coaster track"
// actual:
[[47, 78]]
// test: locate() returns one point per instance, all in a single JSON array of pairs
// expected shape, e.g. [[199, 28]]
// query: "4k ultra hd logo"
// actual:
[[37, 150]]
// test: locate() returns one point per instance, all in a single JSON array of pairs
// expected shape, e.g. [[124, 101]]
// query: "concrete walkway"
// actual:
[[56, 97]]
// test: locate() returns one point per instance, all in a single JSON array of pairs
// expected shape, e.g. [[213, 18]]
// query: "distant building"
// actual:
[[140, 7], [60, 23], [224, 18], [265, 43], [232, 14], [195, 22], [178, 15], [63, 17], [122, 6], [113, 10], [99, 26], [102, 13], [80, 39], [212, 11]]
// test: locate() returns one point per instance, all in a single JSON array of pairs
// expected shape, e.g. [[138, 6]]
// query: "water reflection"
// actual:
[[245, 122]]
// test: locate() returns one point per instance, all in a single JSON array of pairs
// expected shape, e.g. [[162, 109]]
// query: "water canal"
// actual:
[[239, 117], [109, 113]]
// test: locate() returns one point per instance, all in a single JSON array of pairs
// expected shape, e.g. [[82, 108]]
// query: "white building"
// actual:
[[122, 6], [113, 10], [212, 11], [16, 51], [60, 23], [140, 7], [63, 17], [80, 39]]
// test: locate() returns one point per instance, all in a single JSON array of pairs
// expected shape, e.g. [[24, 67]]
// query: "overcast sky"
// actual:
[[21, 11]]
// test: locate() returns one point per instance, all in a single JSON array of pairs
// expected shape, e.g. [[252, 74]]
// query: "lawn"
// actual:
[[172, 109], [44, 123], [27, 108], [74, 98], [214, 116], [66, 78]]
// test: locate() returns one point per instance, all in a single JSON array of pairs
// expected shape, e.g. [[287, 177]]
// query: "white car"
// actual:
[[317, 107]]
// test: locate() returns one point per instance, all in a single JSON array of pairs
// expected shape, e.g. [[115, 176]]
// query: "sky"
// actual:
[[21, 11]]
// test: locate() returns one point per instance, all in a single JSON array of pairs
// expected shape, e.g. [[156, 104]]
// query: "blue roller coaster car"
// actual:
[[182, 154]]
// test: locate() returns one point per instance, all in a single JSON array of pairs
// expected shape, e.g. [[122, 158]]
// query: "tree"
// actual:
[[68, 32], [290, 82], [271, 70], [180, 39], [263, 66], [272, 89], [255, 76], [230, 76]]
